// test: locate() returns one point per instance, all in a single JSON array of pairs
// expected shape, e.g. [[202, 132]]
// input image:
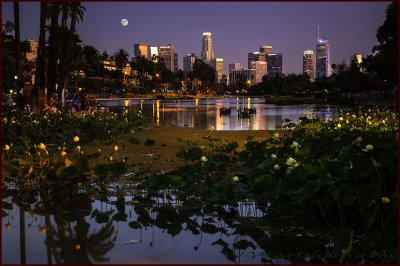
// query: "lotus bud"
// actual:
[[385, 200]]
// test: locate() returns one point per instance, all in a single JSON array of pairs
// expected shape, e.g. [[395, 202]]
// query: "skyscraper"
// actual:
[[166, 52], [323, 68], [261, 71], [218, 65], [253, 58], [176, 66], [234, 66], [308, 63], [274, 64], [153, 51], [207, 52], [142, 49], [188, 62], [264, 50]]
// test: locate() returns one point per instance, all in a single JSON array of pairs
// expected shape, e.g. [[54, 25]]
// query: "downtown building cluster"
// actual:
[[260, 63]]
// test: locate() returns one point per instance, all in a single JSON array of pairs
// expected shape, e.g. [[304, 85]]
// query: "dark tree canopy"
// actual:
[[384, 64]]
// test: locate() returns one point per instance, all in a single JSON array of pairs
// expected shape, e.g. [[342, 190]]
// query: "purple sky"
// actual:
[[237, 27]]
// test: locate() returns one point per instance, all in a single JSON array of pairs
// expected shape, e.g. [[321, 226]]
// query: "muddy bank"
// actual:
[[168, 141]]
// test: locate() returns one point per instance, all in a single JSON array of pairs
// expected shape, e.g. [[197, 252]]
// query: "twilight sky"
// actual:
[[237, 27]]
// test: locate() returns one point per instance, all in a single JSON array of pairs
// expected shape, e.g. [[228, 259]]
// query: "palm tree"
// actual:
[[17, 50], [65, 59], [52, 65], [141, 64], [67, 11], [40, 62], [121, 58]]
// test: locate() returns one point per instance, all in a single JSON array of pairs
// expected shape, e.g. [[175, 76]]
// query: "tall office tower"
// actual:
[[308, 63], [261, 71], [274, 65], [323, 68], [176, 66], [218, 65], [166, 52], [234, 66], [207, 52], [142, 49], [153, 51], [264, 50], [188, 62], [253, 58]]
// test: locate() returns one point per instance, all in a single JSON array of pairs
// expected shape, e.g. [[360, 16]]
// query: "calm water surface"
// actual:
[[204, 113], [69, 226]]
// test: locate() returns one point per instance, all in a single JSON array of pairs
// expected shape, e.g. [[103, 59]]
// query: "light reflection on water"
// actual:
[[204, 113]]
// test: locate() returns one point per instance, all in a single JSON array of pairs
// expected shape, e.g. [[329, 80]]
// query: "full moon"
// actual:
[[124, 22]]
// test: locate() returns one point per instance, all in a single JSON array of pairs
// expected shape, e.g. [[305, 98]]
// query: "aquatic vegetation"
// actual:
[[341, 179]]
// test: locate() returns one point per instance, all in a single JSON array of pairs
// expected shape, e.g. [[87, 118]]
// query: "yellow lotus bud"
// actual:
[[7, 147], [63, 153], [42, 146], [76, 138], [67, 162], [116, 148], [30, 171], [385, 200], [111, 158]]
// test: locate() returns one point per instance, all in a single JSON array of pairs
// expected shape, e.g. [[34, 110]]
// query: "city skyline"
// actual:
[[350, 27]]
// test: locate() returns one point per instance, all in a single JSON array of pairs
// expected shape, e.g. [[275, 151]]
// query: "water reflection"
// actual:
[[67, 225], [204, 113], [58, 231]]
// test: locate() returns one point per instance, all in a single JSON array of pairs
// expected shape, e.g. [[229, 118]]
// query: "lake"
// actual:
[[71, 227], [204, 113]]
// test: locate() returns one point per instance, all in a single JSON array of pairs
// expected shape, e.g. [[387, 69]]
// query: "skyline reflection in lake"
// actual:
[[204, 113]]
